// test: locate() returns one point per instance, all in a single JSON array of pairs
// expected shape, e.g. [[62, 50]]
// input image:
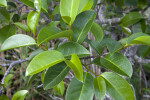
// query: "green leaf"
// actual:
[[76, 66], [44, 60], [74, 48], [85, 5], [48, 33], [134, 36], [96, 46], [53, 23], [144, 51], [59, 89], [118, 63], [42, 76], [3, 3], [80, 91], [34, 53], [28, 3], [117, 87], [126, 30], [30, 80], [112, 45], [6, 32], [20, 95], [143, 40], [142, 4], [4, 15], [8, 77], [137, 28], [97, 32], [44, 5], [56, 10], [99, 87], [4, 97], [18, 40], [131, 18], [55, 74], [68, 10], [82, 25], [22, 26], [33, 16]]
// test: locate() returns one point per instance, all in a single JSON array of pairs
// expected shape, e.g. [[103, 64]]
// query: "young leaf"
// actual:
[[82, 25], [99, 87], [18, 40], [33, 16], [59, 89], [3, 3], [20, 95], [74, 48], [4, 15], [55, 74], [44, 60], [48, 33], [76, 66], [6, 32], [68, 10], [131, 19], [118, 63], [97, 32], [53, 23], [85, 5], [22, 26], [117, 87], [80, 91]]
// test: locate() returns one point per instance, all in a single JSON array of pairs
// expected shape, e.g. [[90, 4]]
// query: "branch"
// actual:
[[13, 63], [109, 21]]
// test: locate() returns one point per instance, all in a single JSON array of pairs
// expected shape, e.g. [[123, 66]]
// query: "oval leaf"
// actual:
[[22, 26], [55, 74], [117, 87], [143, 40], [3, 3], [59, 89], [97, 32], [4, 15], [20, 95], [82, 25], [99, 87], [76, 66], [80, 91], [74, 48], [131, 19], [69, 9], [118, 63], [44, 60], [48, 33], [18, 40]]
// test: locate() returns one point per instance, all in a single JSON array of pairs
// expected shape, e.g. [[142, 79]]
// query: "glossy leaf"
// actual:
[[3, 3], [80, 91], [6, 32], [131, 18], [22, 26], [76, 66], [126, 30], [33, 16], [143, 40], [74, 48], [34, 53], [118, 63], [97, 32], [48, 33], [55, 74], [85, 5], [20, 95], [68, 10], [82, 25], [59, 89], [53, 23], [99, 87], [142, 4], [18, 40], [44, 60], [117, 87], [4, 15], [28, 3]]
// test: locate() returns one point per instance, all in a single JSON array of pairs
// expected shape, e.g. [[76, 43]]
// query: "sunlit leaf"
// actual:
[[20, 95]]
